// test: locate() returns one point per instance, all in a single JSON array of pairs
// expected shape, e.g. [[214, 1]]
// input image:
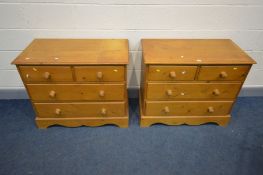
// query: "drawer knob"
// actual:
[[52, 94], [172, 74], [216, 92], [169, 92], [47, 75], [223, 74], [58, 111], [99, 75], [166, 109], [101, 93], [103, 111], [210, 109]]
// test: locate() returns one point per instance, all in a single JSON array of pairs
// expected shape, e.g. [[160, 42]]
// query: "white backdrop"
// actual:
[[23, 20]]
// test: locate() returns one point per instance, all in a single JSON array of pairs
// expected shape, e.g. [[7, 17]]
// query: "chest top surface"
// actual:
[[74, 51], [193, 51]]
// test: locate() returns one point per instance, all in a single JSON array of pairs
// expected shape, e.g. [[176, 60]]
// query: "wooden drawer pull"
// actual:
[[101, 93], [210, 109], [216, 92], [99, 75], [223, 74], [166, 109], [169, 92], [52, 94], [172, 74], [58, 111], [47, 75], [103, 111]]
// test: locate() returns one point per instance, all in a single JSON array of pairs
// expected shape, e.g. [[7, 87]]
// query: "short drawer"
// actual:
[[99, 73], [223, 72], [76, 91], [171, 91], [188, 108], [46, 73], [171, 73], [94, 109]]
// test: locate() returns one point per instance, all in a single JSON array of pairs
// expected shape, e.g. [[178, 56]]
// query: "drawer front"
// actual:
[[76, 91], [46, 73], [223, 72], [171, 73], [100, 73], [171, 91], [98, 109], [188, 108]]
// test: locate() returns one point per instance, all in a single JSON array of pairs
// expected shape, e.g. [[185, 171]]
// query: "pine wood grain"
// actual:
[[74, 52], [100, 92], [80, 109], [46, 73], [99, 73], [171, 73], [168, 97], [193, 51], [76, 82], [147, 121], [187, 108], [170, 91], [234, 72], [122, 122]]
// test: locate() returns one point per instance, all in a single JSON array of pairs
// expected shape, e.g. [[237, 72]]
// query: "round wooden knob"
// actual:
[[101, 93], [99, 75], [58, 111], [216, 92], [172, 74], [52, 94], [223, 74], [103, 111], [27, 76], [210, 109], [47, 75], [169, 92], [166, 109]]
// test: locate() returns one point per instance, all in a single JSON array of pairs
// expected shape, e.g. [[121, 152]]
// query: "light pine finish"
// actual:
[[187, 108], [46, 73], [76, 82], [170, 91], [190, 81], [238, 73], [99, 73], [170, 73], [71, 110], [100, 92], [193, 52], [43, 123], [147, 121], [75, 52]]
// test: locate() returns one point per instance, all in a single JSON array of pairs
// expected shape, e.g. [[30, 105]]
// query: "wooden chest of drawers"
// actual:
[[190, 81], [75, 82]]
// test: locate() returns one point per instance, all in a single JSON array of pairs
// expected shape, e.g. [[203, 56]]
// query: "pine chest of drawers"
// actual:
[[75, 82], [190, 81]]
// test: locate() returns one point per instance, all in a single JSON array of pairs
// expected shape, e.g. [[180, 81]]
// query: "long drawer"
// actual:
[[169, 91], [92, 109], [46, 73], [188, 108], [76, 91]]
